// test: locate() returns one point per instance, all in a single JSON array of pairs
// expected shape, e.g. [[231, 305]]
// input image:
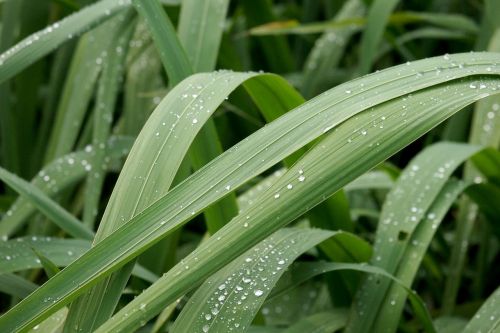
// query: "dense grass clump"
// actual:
[[316, 149]]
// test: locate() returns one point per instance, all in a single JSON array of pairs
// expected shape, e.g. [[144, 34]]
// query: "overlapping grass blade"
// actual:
[[267, 214], [15, 285], [459, 23], [107, 92], [78, 91], [265, 148], [328, 50], [57, 176], [47, 206], [232, 296], [323, 322], [485, 131], [200, 31], [487, 318], [371, 180], [405, 207], [42, 42], [171, 53], [18, 256], [393, 304]]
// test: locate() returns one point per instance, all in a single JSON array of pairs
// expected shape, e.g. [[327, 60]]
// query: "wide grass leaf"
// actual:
[[232, 296], [42, 42], [267, 214]]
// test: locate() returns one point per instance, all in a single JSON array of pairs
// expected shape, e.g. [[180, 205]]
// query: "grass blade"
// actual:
[[15, 285], [487, 318], [200, 31], [61, 252], [47, 206], [233, 295], [323, 322], [405, 207], [266, 214], [485, 131], [41, 43], [172, 54], [57, 176]]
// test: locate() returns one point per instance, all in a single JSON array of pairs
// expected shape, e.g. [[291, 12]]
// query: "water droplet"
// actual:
[[258, 292], [289, 186], [302, 178], [195, 121], [206, 328]]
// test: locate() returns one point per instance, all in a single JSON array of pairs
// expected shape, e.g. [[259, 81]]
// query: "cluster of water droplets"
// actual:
[[244, 290], [50, 34]]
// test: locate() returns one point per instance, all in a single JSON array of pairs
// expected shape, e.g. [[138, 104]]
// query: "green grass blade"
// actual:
[[51, 209], [49, 267], [200, 31], [487, 318], [232, 296], [371, 180], [276, 49], [485, 131], [20, 257], [328, 50], [302, 272], [143, 76], [11, 12], [377, 18], [405, 207], [459, 23], [172, 54], [394, 301], [323, 322], [57, 176], [15, 285], [265, 148], [86, 66], [277, 210], [107, 92], [42, 42], [207, 145]]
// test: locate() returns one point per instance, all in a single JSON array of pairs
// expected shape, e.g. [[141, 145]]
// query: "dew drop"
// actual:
[[258, 292]]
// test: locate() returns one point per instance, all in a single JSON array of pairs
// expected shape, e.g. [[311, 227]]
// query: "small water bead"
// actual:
[[446, 56], [281, 262], [221, 298], [276, 196], [228, 187], [208, 316], [348, 91], [195, 121], [363, 132], [258, 292], [490, 115], [206, 328], [248, 260], [302, 178]]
